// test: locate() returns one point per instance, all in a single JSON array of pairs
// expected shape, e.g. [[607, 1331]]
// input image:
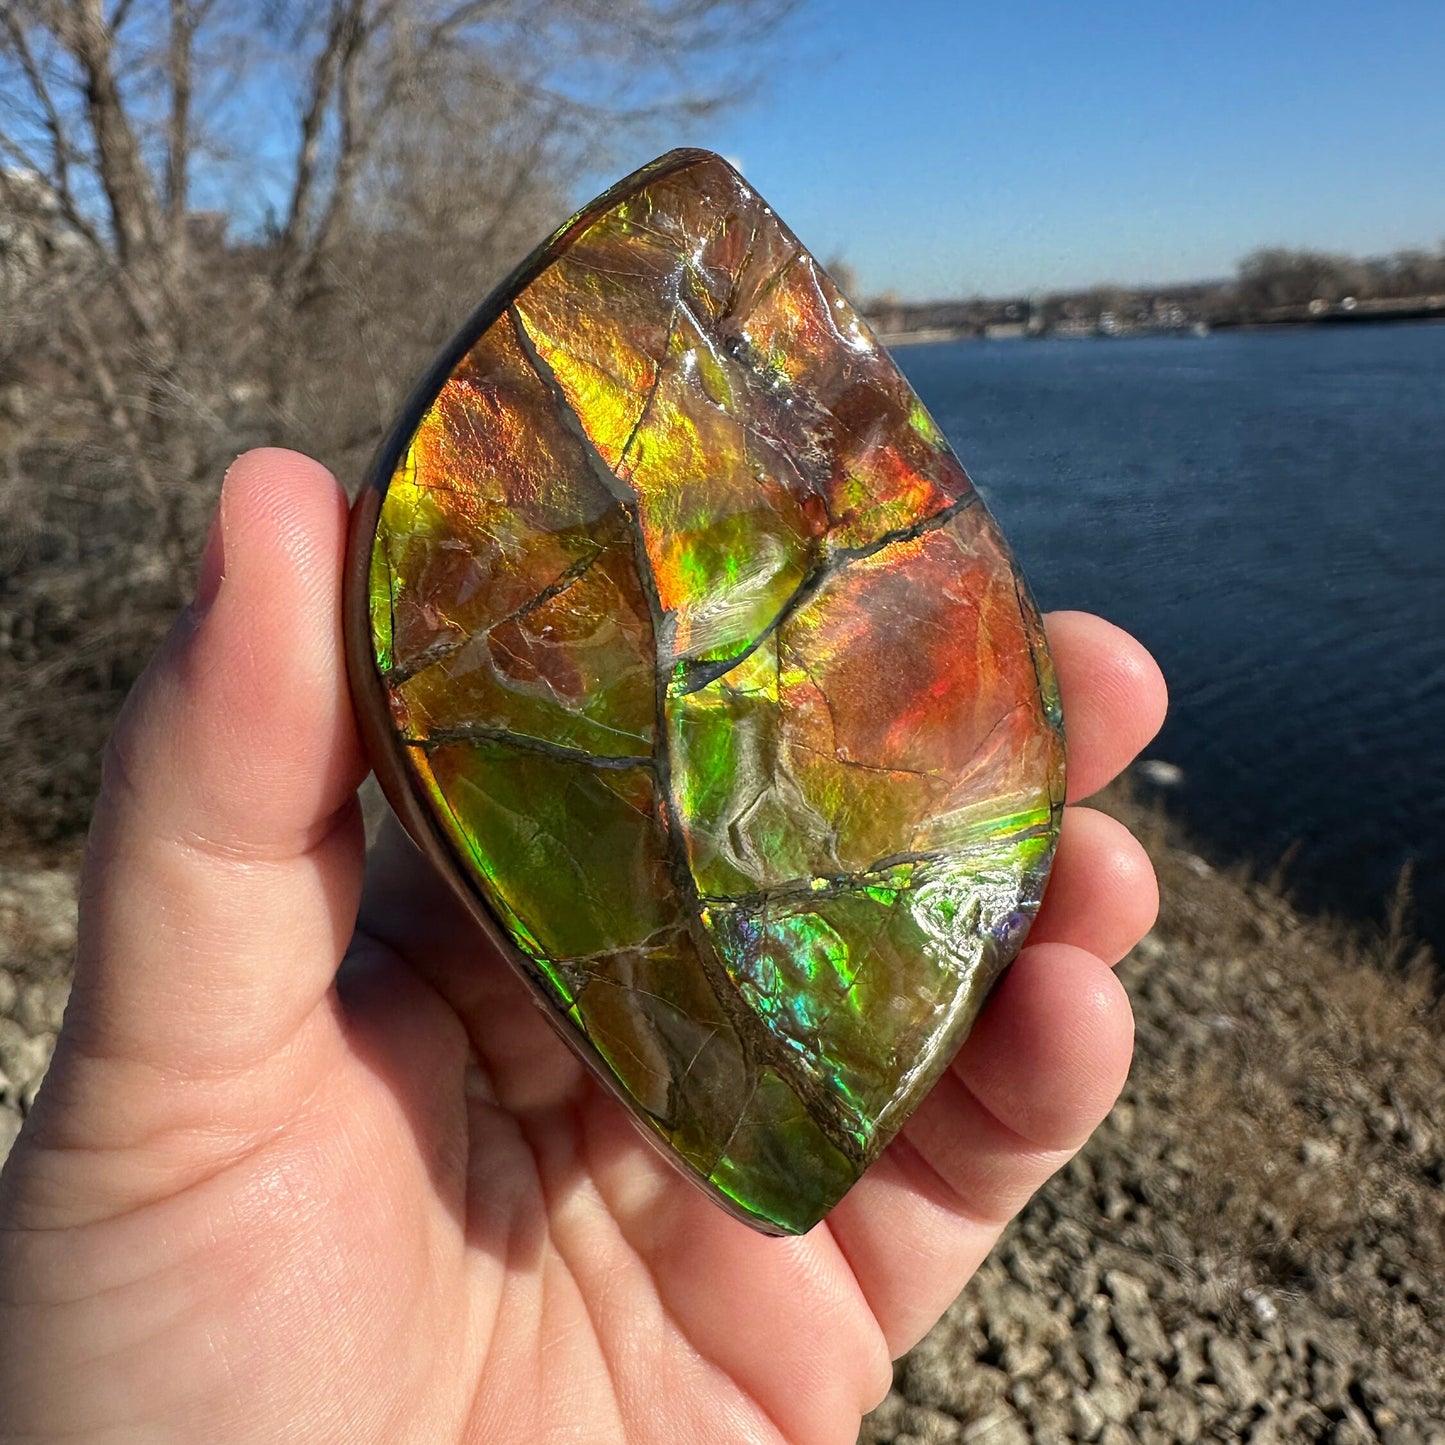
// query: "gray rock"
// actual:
[[1148, 1431], [999, 1427], [1233, 1373], [28, 1093], [9, 991], [10, 1122], [950, 1380], [1212, 1400], [886, 1421], [1264, 1431], [1069, 1236], [40, 1006], [1051, 1422], [1022, 1328], [14, 1043], [1082, 1279], [1352, 1431], [1134, 1318], [1401, 1434], [1151, 948], [1262, 1306], [23, 1057], [40, 905], [1177, 1415], [1188, 1348], [933, 1427], [1089, 1419], [1116, 1435], [1329, 1382], [1096, 1344], [1069, 1364], [1053, 1387], [1115, 1402]]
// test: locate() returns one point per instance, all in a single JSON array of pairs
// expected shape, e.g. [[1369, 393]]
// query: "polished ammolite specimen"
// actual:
[[692, 654]]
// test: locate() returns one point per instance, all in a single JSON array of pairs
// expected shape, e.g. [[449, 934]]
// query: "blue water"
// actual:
[[1266, 511]]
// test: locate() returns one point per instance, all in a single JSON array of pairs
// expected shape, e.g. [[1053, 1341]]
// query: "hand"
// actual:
[[258, 1201]]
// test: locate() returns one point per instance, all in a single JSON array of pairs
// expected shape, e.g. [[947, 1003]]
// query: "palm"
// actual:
[[260, 1200]]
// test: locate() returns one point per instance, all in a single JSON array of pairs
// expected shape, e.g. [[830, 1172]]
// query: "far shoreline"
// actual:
[[938, 336]]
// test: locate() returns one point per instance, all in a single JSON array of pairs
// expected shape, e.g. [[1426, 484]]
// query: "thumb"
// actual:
[[224, 864]]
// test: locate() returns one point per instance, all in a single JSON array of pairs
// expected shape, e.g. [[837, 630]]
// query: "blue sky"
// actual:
[[950, 148]]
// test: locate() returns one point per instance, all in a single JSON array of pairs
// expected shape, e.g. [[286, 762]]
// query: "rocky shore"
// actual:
[[1253, 1246]]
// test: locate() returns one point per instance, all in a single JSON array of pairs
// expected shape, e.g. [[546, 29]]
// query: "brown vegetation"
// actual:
[[1276, 276], [223, 224]]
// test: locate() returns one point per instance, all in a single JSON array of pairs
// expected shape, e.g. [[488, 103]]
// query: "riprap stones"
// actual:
[[692, 655]]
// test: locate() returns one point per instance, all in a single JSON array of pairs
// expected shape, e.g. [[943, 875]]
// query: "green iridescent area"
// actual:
[[720, 684]]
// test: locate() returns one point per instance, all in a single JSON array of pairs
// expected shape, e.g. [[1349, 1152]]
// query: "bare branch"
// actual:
[[60, 200], [427, 144], [313, 120], [127, 183], [353, 40], [178, 131], [59, 173]]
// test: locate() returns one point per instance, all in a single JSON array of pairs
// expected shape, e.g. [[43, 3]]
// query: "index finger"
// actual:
[[1113, 693]]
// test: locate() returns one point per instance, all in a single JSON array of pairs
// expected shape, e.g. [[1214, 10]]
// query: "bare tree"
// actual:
[[1276, 276], [225, 222]]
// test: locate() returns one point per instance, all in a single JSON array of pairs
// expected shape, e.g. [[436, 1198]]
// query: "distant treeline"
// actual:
[[1274, 283], [1277, 276]]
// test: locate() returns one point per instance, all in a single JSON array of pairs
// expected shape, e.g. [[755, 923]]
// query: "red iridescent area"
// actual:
[[709, 678]]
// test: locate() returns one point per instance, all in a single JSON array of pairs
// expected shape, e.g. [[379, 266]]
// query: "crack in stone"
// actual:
[[440, 653], [560, 584], [837, 885], [523, 742], [827, 886], [693, 676], [862, 766], [677, 307], [623, 494]]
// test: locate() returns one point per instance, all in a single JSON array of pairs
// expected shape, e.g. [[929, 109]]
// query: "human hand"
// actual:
[[260, 1201]]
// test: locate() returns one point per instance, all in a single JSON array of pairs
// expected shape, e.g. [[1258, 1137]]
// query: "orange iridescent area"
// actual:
[[720, 685]]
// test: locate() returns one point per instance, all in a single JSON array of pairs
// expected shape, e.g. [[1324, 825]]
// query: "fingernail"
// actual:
[[213, 564]]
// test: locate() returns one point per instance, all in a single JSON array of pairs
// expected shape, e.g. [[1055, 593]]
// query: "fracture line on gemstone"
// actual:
[[826, 886], [694, 676], [523, 742]]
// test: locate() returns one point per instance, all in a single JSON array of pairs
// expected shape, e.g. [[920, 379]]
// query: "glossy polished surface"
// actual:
[[706, 673]]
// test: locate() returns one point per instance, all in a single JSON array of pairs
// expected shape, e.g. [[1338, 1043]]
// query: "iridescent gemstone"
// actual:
[[685, 646]]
